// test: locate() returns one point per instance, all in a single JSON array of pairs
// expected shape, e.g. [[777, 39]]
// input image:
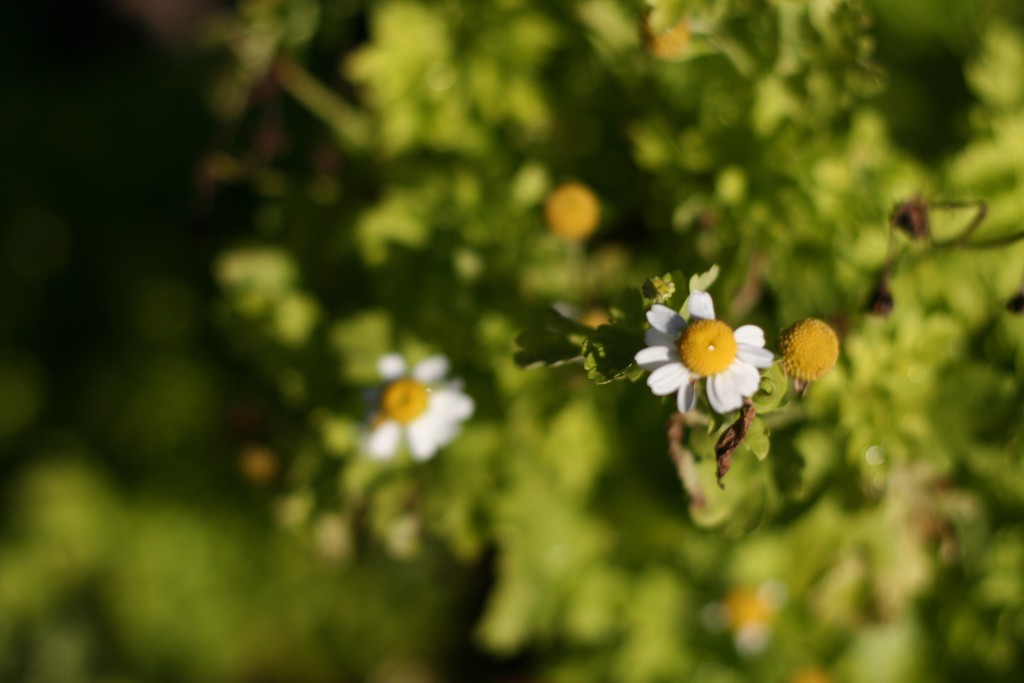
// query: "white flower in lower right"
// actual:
[[679, 353]]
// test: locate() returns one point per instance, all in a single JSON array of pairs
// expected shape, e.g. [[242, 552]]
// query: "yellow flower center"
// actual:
[[707, 347], [810, 675], [572, 211], [403, 401], [747, 607], [670, 44], [809, 348]]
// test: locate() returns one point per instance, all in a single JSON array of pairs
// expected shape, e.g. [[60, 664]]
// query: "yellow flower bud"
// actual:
[[670, 44], [811, 674], [810, 349], [572, 211]]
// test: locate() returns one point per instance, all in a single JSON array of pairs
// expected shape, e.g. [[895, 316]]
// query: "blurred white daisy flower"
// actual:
[[422, 404], [749, 612], [679, 353]]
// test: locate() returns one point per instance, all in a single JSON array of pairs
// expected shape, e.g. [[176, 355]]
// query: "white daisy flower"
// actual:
[[422, 404], [679, 353]]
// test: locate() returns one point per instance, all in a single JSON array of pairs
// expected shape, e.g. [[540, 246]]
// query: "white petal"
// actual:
[[445, 432], [664, 319], [422, 435], [749, 334], [451, 404], [744, 377], [687, 398], [723, 394], [391, 366], [653, 337], [431, 370], [383, 440], [755, 355], [668, 378], [701, 306], [653, 357]]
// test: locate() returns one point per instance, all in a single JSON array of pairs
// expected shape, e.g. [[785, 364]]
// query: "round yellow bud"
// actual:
[[809, 348], [595, 317], [572, 211], [810, 674], [259, 464], [670, 44]]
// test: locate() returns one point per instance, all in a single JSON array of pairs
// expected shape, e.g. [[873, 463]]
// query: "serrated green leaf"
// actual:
[[554, 321], [609, 352], [543, 347], [628, 307], [555, 343]]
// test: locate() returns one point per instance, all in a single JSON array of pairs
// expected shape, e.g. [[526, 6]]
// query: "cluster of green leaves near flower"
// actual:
[[408, 216]]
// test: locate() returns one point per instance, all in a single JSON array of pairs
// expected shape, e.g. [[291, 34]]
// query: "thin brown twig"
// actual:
[[732, 438], [994, 242], [345, 119], [683, 458], [753, 286], [960, 241]]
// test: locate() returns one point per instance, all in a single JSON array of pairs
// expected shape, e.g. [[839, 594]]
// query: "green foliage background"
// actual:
[[206, 246]]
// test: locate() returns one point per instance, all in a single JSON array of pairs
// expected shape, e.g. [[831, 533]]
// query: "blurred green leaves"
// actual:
[[376, 185], [609, 352], [440, 79]]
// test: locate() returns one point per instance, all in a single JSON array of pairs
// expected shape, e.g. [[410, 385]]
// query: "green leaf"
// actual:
[[757, 439], [544, 347], [772, 391], [715, 422], [609, 352], [703, 281], [628, 307], [359, 340], [555, 343], [557, 322]]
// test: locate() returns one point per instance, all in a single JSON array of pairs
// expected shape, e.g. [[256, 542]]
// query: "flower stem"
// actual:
[[683, 458], [981, 210], [732, 438], [346, 121]]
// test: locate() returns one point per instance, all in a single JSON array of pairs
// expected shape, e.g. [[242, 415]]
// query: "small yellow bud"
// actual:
[[658, 290], [572, 211], [670, 44], [595, 317], [810, 349], [811, 674], [259, 464]]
